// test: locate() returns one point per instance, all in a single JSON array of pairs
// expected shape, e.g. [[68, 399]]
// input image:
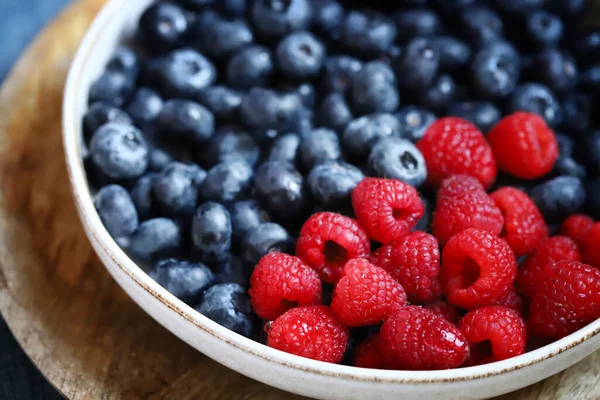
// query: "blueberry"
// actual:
[[113, 88], [101, 113], [495, 70], [556, 69], [280, 188], [116, 210], [334, 112], [328, 19], [481, 26], [424, 223], [559, 197], [306, 92], [186, 120], [263, 239], [567, 166], [176, 189], [332, 182], [568, 8], [300, 55], [418, 65], [417, 22], [211, 231], [276, 18], [233, 8], [590, 79], [198, 4], [224, 37], [222, 101], [250, 67], [185, 73], [125, 61], [228, 305], [439, 96], [285, 148], [543, 29], [155, 239], [368, 32], [414, 122], [454, 53], [588, 151], [319, 146], [228, 182], [233, 270], [361, 134], [267, 113], [391, 55], [484, 115], [538, 99], [374, 89], [585, 45], [338, 72], [119, 151], [158, 159], [143, 197], [245, 216], [144, 107], [163, 26], [577, 114], [518, 6], [395, 158], [184, 280], [228, 144], [592, 201]]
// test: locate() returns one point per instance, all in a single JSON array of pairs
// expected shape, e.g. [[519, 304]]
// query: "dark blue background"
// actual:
[[20, 21]]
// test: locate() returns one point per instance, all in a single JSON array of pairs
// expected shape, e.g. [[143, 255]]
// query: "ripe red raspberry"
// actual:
[[512, 300], [477, 269], [368, 354], [453, 146], [415, 338], [328, 240], [444, 309], [279, 282], [591, 252], [566, 299], [366, 294], [311, 332], [387, 208], [524, 145], [498, 326], [462, 203], [554, 249], [524, 225], [577, 227], [414, 261]]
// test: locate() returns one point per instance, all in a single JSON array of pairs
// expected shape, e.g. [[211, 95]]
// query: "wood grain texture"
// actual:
[[79, 328]]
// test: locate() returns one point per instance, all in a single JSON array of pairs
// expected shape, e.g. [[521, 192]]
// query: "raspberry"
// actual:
[[368, 354], [524, 225], [453, 146], [462, 203], [477, 269], [512, 300], [387, 208], [417, 339], [328, 240], [311, 332], [577, 227], [414, 261], [554, 249], [566, 299], [524, 145], [366, 294], [444, 309], [497, 327], [280, 282], [591, 253]]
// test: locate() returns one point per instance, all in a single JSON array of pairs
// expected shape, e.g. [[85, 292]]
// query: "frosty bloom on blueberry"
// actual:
[[359, 183]]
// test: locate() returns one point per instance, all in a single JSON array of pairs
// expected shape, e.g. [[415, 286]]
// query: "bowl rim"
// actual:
[[72, 133]]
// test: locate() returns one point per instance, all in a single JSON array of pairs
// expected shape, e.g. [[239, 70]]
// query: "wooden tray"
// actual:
[[79, 328]]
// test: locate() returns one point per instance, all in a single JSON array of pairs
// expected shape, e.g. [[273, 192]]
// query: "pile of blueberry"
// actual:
[[227, 123]]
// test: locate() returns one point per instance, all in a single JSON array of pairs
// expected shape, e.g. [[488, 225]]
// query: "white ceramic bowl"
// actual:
[[279, 369]]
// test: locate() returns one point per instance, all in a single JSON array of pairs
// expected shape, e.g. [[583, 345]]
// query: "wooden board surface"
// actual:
[[79, 328]]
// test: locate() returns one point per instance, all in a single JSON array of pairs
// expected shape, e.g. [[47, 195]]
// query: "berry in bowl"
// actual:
[[348, 202]]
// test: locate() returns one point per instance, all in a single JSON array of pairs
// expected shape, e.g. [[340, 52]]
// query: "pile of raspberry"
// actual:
[[485, 280]]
